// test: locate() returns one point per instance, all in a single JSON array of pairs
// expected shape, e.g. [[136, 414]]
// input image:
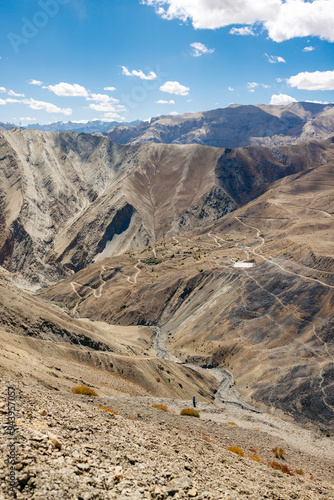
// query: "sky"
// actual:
[[125, 60]]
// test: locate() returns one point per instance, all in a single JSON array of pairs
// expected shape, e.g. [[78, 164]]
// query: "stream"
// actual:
[[226, 392]]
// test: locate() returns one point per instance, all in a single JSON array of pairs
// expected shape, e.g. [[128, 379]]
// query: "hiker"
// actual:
[[194, 401]]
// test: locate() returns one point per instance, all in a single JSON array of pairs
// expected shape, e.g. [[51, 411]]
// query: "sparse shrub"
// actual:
[[161, 407], [83, 389], [237, 450], [190, 412], [232, 423], [157, 379], [153, 261], [207, 439], [253, 450], [279, 453], [108, 410], [256, 458], [300, 472], [281, 467], [123, 306]]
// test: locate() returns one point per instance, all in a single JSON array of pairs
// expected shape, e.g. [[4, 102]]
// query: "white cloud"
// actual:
[[161, 101], [308, 49], [275, 59], [140, 73], [230, 89], [199, 49], [107, 107], [174, 113], [283, 19], [112, 116], [3, 89], [246, 30], [318, 102], [299, 18], [251, 86], [281, 99], [27, 119], [101, 98], [46, 106], [68, 90], [318, 80], [14, 94], [8, 101], [111, 89], [174, 88], [35, 82]]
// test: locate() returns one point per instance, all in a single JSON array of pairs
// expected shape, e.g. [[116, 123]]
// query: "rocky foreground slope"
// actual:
[[68, 447], [234, 126]]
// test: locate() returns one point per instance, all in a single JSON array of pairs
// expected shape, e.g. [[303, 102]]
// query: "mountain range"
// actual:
[[225, 252], [235, 126]]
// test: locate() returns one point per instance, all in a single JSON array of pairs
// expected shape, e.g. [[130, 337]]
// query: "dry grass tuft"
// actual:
[[256, 458], [108, 409], [281, 467], [83, 389], [232, 423], [279, 453], [161, 407], [253, 450], [300, 472], [237, 450], [190, 412], [207, 439]]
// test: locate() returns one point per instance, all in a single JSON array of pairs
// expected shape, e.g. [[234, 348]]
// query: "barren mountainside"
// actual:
[[235, 126], [68, 199]]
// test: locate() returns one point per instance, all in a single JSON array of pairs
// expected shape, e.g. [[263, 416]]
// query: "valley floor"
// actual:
[[67, 447]]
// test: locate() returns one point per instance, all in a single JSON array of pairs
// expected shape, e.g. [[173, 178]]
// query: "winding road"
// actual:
[[226, 392]]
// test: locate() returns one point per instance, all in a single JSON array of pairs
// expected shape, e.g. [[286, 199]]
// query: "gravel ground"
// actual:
[[66, 447]]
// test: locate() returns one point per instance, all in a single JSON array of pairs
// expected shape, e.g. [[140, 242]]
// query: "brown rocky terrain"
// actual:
[[234, 126], [176, 271], [68, 447], [67, 199], [271, 323]]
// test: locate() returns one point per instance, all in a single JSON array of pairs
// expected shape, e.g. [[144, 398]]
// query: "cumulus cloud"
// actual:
[[318, 80], [281, 99], [199, 49], [35, 82], [308, 49], [68, 90], [275, 59], [283, 19], [161, 101], [246, 30], [139, 73], [174, 88], [111, 89], [101, 98], [174, 113], [231, 89], [14, 94], [3, 89], [46, 106]]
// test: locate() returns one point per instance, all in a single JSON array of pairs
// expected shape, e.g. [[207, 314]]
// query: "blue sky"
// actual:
[[123, 60]]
